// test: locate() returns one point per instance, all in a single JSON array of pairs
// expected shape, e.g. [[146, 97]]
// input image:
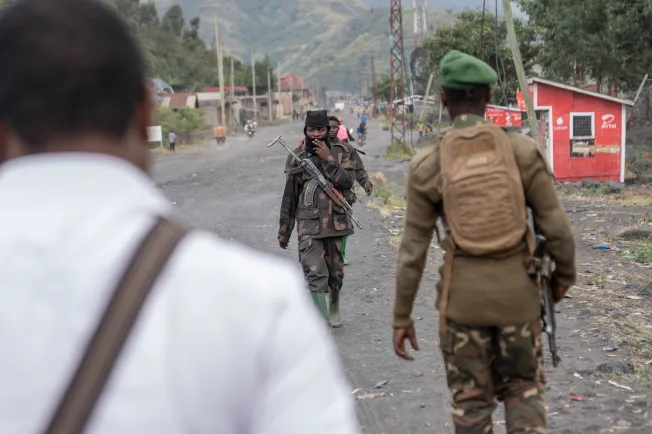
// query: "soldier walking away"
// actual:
[[321, 223], [361, 174], [172, 139], [489, 306], [108, 234]]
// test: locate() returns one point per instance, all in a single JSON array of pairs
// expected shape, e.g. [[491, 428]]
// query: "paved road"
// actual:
[[235, 191]]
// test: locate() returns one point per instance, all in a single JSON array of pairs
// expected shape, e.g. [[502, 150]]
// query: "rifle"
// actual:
[[324, 183], [541, 269]]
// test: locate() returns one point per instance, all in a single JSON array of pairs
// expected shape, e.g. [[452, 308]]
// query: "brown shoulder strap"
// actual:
[[77, 404]]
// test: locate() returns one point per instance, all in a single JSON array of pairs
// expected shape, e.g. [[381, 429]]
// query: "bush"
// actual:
[[184, 122]]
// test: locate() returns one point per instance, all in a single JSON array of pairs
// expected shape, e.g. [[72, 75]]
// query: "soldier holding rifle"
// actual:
[[322, 216], [478, 179]]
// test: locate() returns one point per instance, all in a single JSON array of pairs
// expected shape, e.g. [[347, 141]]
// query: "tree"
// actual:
[[173, 19], [608, 40], [481, 37]]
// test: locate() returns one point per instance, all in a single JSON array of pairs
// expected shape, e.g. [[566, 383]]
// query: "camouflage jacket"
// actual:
[[361, 174], [305, 203]]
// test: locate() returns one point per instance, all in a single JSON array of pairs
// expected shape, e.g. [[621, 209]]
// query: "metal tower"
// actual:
[[420, 8], [397, 70]]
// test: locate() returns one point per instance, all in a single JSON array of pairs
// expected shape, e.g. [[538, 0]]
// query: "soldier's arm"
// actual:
[[419, 224], [361, 174], [288, 209], [548, 212], [340, 174]]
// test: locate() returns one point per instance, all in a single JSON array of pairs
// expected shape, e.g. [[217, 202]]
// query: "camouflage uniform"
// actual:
[[320, 223], [491, 340], [488, 363]]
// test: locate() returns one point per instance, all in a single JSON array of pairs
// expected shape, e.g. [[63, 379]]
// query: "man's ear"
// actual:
[[489, 94], [443, 99]]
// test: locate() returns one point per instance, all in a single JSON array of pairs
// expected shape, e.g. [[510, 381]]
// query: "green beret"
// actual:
[[459, 70]]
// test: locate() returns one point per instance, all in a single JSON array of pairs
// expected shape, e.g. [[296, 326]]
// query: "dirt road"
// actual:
[[235, 191]]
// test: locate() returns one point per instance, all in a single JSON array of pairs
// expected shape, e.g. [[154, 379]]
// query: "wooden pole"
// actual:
[[522, 80], [425, 97], [638, 93], [253, 80], [269, 94], [279, 109], [232, 86], [220, 72]]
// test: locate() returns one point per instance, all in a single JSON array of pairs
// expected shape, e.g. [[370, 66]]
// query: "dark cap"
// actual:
[[317, 119]]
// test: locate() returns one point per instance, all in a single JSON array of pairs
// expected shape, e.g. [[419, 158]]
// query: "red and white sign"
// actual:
[[503, 116], [521, 101]]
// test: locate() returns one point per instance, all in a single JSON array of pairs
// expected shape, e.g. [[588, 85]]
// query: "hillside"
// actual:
[[326, 40]]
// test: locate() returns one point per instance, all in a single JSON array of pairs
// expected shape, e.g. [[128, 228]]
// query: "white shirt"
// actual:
[[228, 342], [172, 137]]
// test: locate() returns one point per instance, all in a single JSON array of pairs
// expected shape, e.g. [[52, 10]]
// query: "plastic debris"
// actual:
[[577, 398], [601, 247], [609, 349], [380, 384], [613, 383], [369, 396]]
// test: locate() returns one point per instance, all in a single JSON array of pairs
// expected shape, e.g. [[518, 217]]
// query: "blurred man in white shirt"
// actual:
[[217, 348]]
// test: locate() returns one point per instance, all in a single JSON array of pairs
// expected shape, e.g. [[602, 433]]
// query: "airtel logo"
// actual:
[[560, 121], [608, 122]]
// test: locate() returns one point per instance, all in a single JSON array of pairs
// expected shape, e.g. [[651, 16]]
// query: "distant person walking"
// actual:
[[172, 139]]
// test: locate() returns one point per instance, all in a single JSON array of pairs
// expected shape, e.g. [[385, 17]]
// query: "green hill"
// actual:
[[326, 40]]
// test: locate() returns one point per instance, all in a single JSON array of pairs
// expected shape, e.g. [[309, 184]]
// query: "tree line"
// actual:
[[175, 52], [609, 41]]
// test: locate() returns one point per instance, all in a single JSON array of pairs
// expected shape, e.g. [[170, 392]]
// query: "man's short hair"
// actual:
[[476, 94], [67, 67], [333, 119]]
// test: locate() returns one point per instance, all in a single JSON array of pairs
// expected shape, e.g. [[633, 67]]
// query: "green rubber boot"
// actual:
[[346, 262], [334, 309], [320, 301]]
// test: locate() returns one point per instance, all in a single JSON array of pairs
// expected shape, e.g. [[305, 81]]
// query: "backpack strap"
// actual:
[[86, 386]]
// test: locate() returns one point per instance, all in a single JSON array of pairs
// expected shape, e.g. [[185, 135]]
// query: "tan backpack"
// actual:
[[483, 198]]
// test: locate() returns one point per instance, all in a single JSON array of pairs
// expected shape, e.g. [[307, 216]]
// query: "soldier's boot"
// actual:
[[319, 298], [334, 309], [346, 262]]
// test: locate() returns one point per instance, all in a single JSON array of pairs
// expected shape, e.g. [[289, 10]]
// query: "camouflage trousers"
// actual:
[[323, 266], [488, 363]]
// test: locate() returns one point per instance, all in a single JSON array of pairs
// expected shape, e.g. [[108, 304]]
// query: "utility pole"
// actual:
[[425, 97], [397, 71], [373, 87], [522, 80], [269, 92], [220, 72], [253, 80], [279, 109]]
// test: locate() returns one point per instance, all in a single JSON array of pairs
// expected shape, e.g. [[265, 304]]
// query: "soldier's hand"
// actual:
[[369, 189], [558, 292], [400, 336], [283, 245], [322, 150]]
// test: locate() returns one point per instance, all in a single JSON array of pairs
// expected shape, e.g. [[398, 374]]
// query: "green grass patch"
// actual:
[[599, 190], [399, 151], [640, 251]]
